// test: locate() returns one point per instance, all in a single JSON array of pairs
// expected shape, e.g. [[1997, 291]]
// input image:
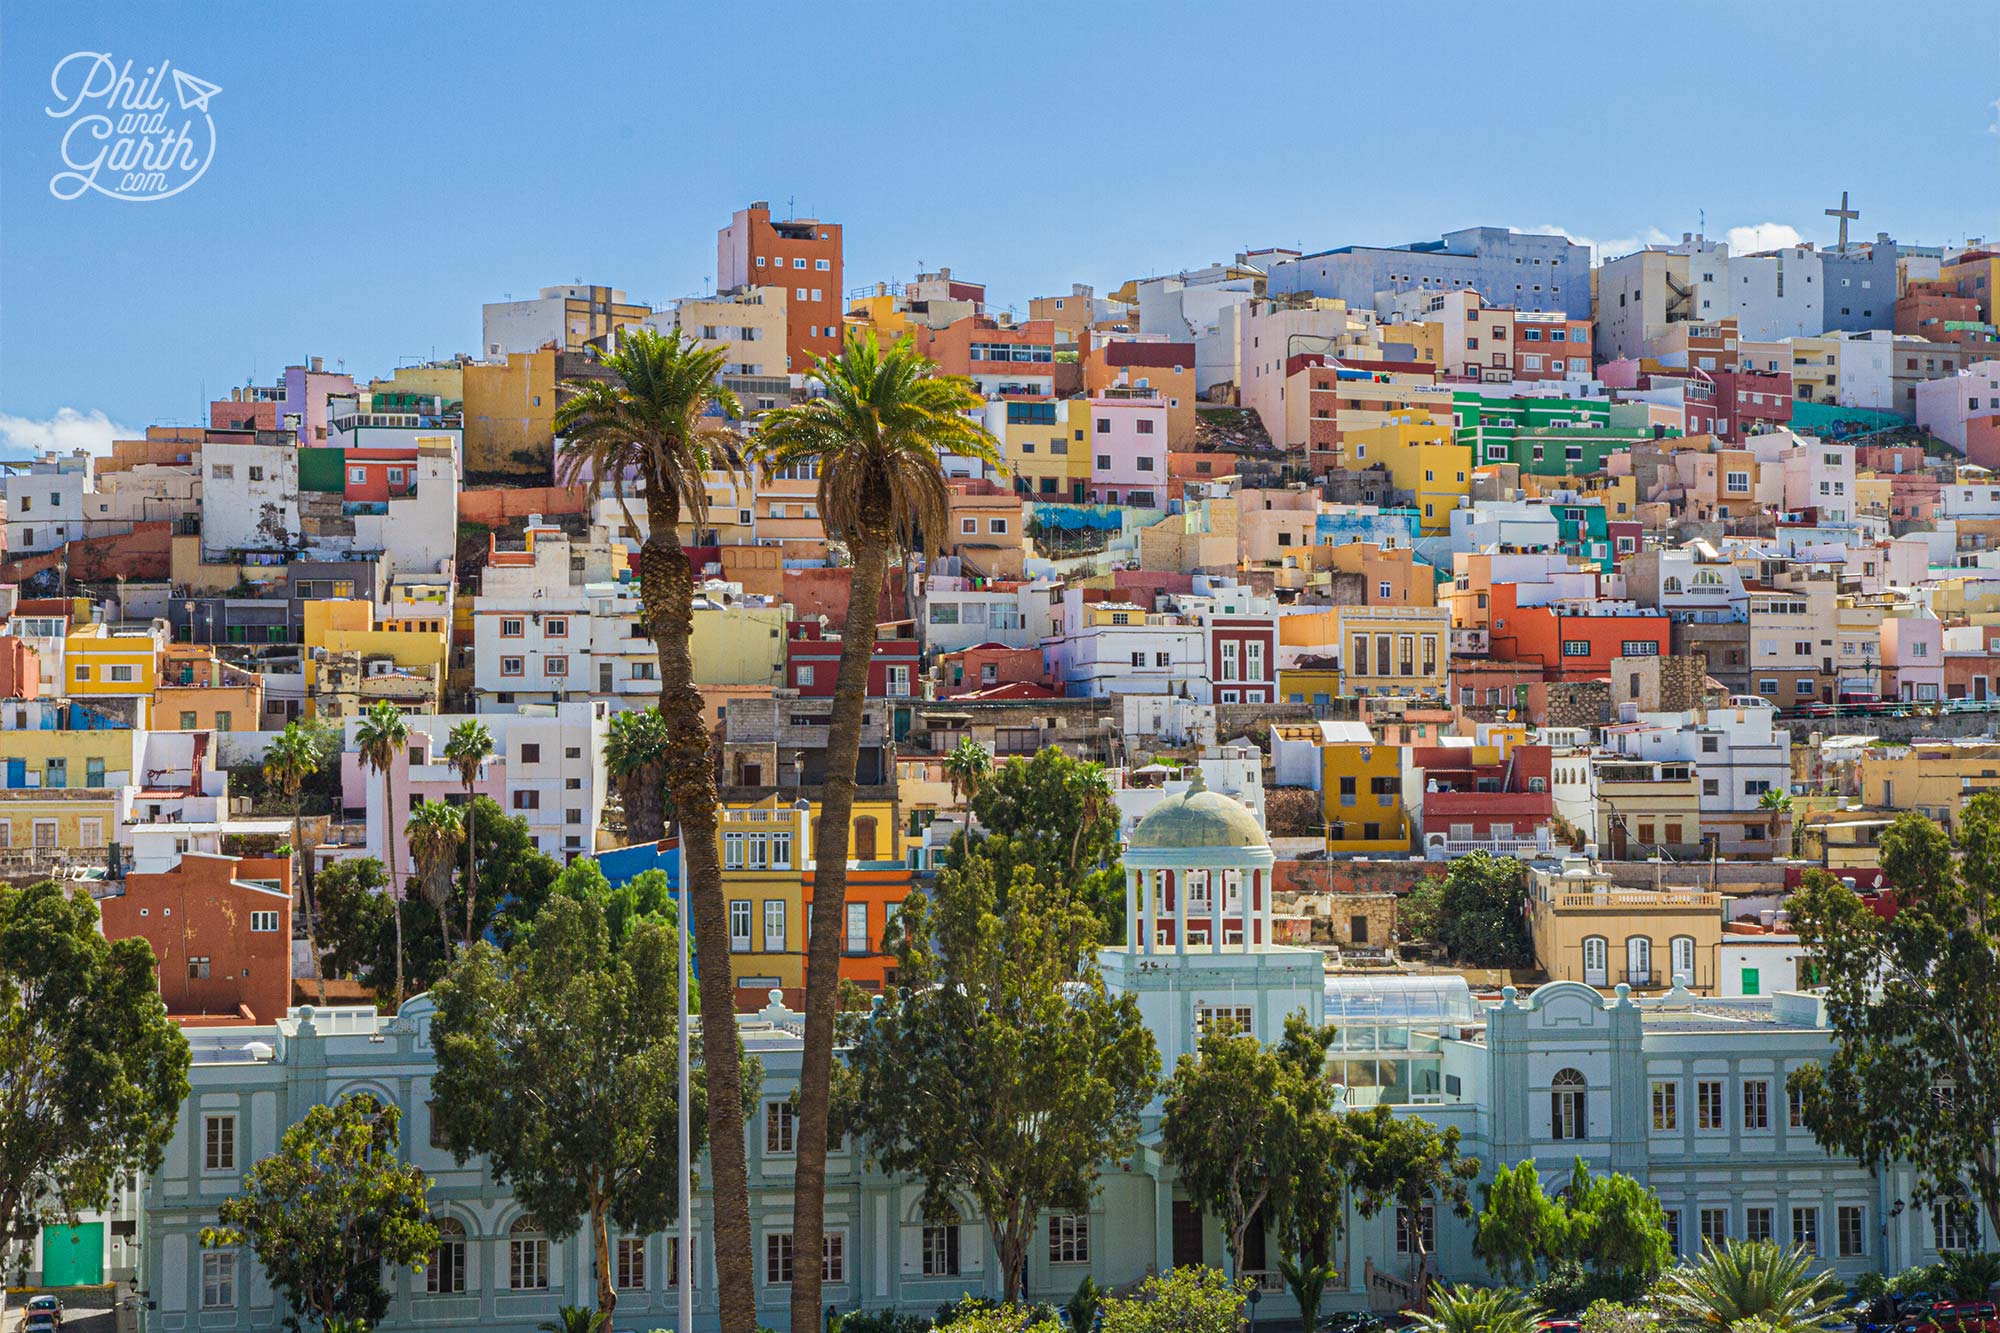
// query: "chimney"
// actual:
[[318, 364]]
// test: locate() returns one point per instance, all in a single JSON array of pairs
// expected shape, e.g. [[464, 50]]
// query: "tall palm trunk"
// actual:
[[666, 587], [399, 884], [471, 871], [830, 841], [306, 883]]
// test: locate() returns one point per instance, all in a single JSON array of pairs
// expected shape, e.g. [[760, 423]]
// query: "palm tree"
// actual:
[[433, 834], [878, 433], [575, 1319], [658, 424], [635, 759], [467, 749], [1779, 802], [293, 757], [1468, 1309], [1744, 1280], [967, 766], [382, 735], [1091, 790]]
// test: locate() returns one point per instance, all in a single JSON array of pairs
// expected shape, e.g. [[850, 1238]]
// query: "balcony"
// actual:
[[1638, 900], [1438, 847]]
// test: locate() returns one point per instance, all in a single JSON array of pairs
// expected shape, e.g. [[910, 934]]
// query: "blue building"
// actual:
[[1860, 286], [1685, 1094], [1525, 270]]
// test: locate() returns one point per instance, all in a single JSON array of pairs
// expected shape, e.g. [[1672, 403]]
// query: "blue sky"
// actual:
[[380, 170]]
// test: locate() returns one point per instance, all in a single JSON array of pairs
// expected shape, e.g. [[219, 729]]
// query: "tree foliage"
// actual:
[[328, 1211], [1467, 1309], [1000, 1069], [1731, 1285], [1189, 1299], [558, 1062], [1233, 1118], [1482, 911], [1914, 1071], [1410, 1163], [1601, 1237], [635, 759], [92, 1072], [1054, 814]]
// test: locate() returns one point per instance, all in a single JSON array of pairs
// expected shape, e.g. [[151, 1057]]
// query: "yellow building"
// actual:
[[59, 788], [1080, 425], [766, 845], [1391, 649], [1035, 445], [740, 644], [419, 645], [1426, 336], [747, 325], [1308, 685], [1933, 778], [1422, 457], [510, 411], [1586, 929], [1978, 277], [1647, 808], [1362, 784], [102, 660], [442, 380], [200, 692]]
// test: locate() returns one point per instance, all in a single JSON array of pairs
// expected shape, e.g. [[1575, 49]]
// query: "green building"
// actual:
[[1549, 437]]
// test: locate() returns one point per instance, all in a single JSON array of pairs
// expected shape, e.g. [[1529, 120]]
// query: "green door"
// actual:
[[73, 1256]]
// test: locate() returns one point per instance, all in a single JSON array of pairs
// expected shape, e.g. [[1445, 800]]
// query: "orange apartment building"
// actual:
[[875, 890], [802, 255], [221, 930], [200, 692], [1167, 368], [1004, 360]]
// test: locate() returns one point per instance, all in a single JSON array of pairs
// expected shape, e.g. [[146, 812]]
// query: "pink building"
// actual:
[[1128, 446], [1912, 658]]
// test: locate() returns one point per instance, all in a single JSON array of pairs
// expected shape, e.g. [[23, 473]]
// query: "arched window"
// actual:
[[1639, 960], [1568, 1094], [1596, 961], [1673, 583], [939, 1249], [527, 1256], [1681, 947], [444, 1275]]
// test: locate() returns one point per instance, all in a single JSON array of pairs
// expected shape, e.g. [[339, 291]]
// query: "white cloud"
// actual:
[[1994, 128], [1605, 249], [67, 430], [1763, 236]]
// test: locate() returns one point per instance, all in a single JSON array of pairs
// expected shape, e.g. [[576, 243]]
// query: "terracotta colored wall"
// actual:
[[1339, 877], [146, 553], [20, 670], [495, 506], [210, 919]]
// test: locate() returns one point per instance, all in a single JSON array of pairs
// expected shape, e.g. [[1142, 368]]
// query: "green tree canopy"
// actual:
[[1000, 1068], [1409, 1164], [92, 1072], [1189, 1299], [558, 1062], [1056, 815], [329, 1211], [1914, 1071], [1233, 1118], [1606, 1234], [1482, 911]]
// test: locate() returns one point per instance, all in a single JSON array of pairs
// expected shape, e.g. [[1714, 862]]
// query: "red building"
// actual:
[[1576, 639], [1243, 659], [21, 669], [1480, 798], [379, 474], [812, 661], [1549, 345], [1746, 402], [221, 930], [987, 665]]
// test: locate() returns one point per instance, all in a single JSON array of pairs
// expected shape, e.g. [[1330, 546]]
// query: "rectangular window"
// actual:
[[1673, 1220], [557, 665], [939, 1251], [1069, 1238], [1756, 1104], [1666, 1105], [631, 1263], [857, 928], [739, 925], [779, 1129], [556, 627], [124, 675], [774, 924], [1852, 1220], [1805, 1229], [513, 666], [1708, 1105], [218, 1143], [263, 921], [777, 1258], [1714, 1226], [218, 1279], [1757, 1224], [1797, 1102], [512, 627], [1576, 647], [527, 800]]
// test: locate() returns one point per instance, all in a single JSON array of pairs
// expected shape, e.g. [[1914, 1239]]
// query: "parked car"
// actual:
[[48, 1305], [40, 1321], [1956, 1317]]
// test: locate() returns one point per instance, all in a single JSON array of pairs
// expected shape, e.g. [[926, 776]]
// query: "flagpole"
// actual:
[[686, 1256]]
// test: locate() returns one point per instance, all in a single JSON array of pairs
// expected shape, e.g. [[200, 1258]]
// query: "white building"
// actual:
[[1947, 407], [1108, 648], [45, 503], [250, 499]]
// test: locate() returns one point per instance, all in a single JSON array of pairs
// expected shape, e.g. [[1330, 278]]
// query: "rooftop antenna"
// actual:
[[791, 206]]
